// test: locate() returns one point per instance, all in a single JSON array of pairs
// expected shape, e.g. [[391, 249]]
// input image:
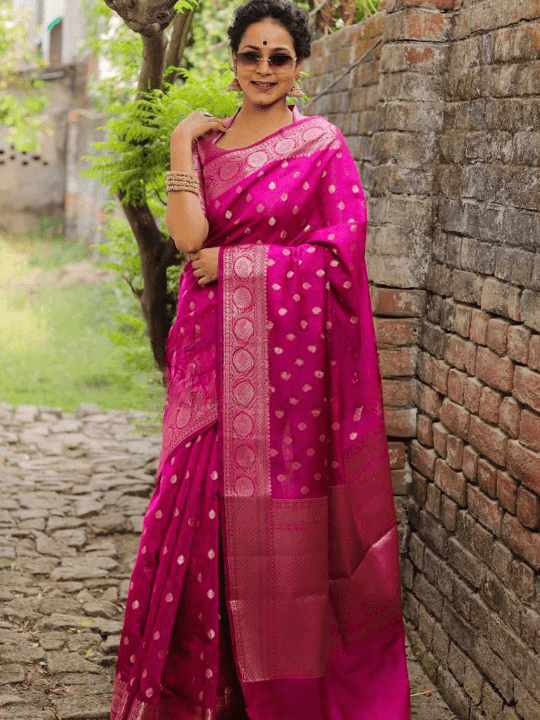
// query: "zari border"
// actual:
[[300, 140], [122, 699], [246, 455]]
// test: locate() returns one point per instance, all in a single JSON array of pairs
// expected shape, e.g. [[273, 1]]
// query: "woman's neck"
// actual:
[[260, 117]]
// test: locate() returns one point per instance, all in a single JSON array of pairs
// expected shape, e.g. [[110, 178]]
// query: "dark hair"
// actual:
[[292, 17]]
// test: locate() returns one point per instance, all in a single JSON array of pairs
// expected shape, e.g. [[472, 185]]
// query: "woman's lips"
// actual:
[[263, 87]]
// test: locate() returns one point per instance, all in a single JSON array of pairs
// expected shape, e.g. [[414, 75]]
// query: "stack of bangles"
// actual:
[[179, 181]]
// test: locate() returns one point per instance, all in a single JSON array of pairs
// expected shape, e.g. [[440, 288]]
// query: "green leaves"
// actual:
[[134, 157], [22, 99]]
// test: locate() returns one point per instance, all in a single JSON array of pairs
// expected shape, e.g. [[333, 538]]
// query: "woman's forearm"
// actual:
[[185, 219]]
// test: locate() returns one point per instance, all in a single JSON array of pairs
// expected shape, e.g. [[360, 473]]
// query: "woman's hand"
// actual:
[[205, 265], [196, 125]]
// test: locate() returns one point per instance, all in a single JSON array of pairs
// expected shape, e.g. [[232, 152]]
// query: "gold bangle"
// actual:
[[182, 182], [183, 189], [181, 175]]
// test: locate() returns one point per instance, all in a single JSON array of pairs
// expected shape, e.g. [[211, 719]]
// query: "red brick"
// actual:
[[528, 508], [456, 384], [401, 481], [419, 488], [424, 430], [494, 370], [509, 417], [518, 343], [460, 353], [425, 367], [400, 422], [440, 435], [497, 335], [534, 353], [429, 401], [397, 362], [507, 491], [462, 319], [449, 513], [439, 376], [452, 483], [486, 511], [419, 25], [522, 541], [456, 418], [527, 387], [423, 459], [454, 452], [398, 393], [439, 4], [397, 455], [529, 430], [501, 298], [397, 302], [470, 462], [391, 331], [489, 440], [501, 561], [471, 394], [524, 464], [433, 500], [478, 329], [522, 580], [490, 402], [487, 477]]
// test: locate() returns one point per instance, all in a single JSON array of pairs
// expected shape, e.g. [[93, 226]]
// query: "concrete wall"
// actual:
[[85, 198], [449, 151], [33, 185]]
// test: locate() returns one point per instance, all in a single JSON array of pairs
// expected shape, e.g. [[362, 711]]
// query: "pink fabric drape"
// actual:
[[282, 354]]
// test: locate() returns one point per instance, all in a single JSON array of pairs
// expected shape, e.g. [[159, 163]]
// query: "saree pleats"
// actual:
[[174, 663]]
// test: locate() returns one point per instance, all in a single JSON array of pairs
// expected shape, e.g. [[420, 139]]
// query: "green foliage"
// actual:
[[119, 51], [22, 99], [365, 9], [57, 342], [209, 42], [135, 154]]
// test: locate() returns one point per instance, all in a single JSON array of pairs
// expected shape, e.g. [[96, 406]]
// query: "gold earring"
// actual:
[[234, 86], [296, 91]]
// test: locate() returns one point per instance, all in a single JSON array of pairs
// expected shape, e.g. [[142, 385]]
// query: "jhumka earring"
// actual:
[[296, 91], [234, 86]]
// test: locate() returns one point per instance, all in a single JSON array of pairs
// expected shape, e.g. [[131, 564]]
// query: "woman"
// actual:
[[267, 582]]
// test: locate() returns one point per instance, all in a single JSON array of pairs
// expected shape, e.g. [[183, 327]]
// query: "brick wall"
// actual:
[[449, 153]]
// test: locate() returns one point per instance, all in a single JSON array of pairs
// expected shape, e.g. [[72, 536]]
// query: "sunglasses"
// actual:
[[276, 62]]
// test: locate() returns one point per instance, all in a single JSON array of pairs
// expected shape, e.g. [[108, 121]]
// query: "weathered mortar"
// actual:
[[443, 122]]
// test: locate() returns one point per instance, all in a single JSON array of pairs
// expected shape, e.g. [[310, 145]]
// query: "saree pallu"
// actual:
[[282, 355]]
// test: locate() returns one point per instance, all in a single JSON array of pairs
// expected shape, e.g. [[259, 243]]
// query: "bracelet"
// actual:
[[180, 181], [181, 175], [183, 188]]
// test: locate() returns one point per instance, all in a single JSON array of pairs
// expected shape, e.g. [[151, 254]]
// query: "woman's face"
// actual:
[[264, 83]]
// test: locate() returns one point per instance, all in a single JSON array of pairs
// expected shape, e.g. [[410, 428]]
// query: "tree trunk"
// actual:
[[150, 18], [182, 26], [153, 65], [157, 254]]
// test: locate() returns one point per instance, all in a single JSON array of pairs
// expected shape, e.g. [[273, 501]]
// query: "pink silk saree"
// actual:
[[271, 537]]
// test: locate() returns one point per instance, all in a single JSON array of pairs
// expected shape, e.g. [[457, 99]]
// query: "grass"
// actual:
[[55, 343]]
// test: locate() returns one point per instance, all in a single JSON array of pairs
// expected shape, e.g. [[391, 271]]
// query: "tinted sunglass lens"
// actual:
[[281, 60]]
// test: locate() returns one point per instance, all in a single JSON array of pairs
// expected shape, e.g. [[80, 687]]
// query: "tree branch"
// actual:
[[153, 62], [177, 45], [147, 17], [157, 254]]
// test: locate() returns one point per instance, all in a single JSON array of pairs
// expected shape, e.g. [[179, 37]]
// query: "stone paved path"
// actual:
[[73, 490]]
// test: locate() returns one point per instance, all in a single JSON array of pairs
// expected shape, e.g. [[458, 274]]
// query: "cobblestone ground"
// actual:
[[73, 491]]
